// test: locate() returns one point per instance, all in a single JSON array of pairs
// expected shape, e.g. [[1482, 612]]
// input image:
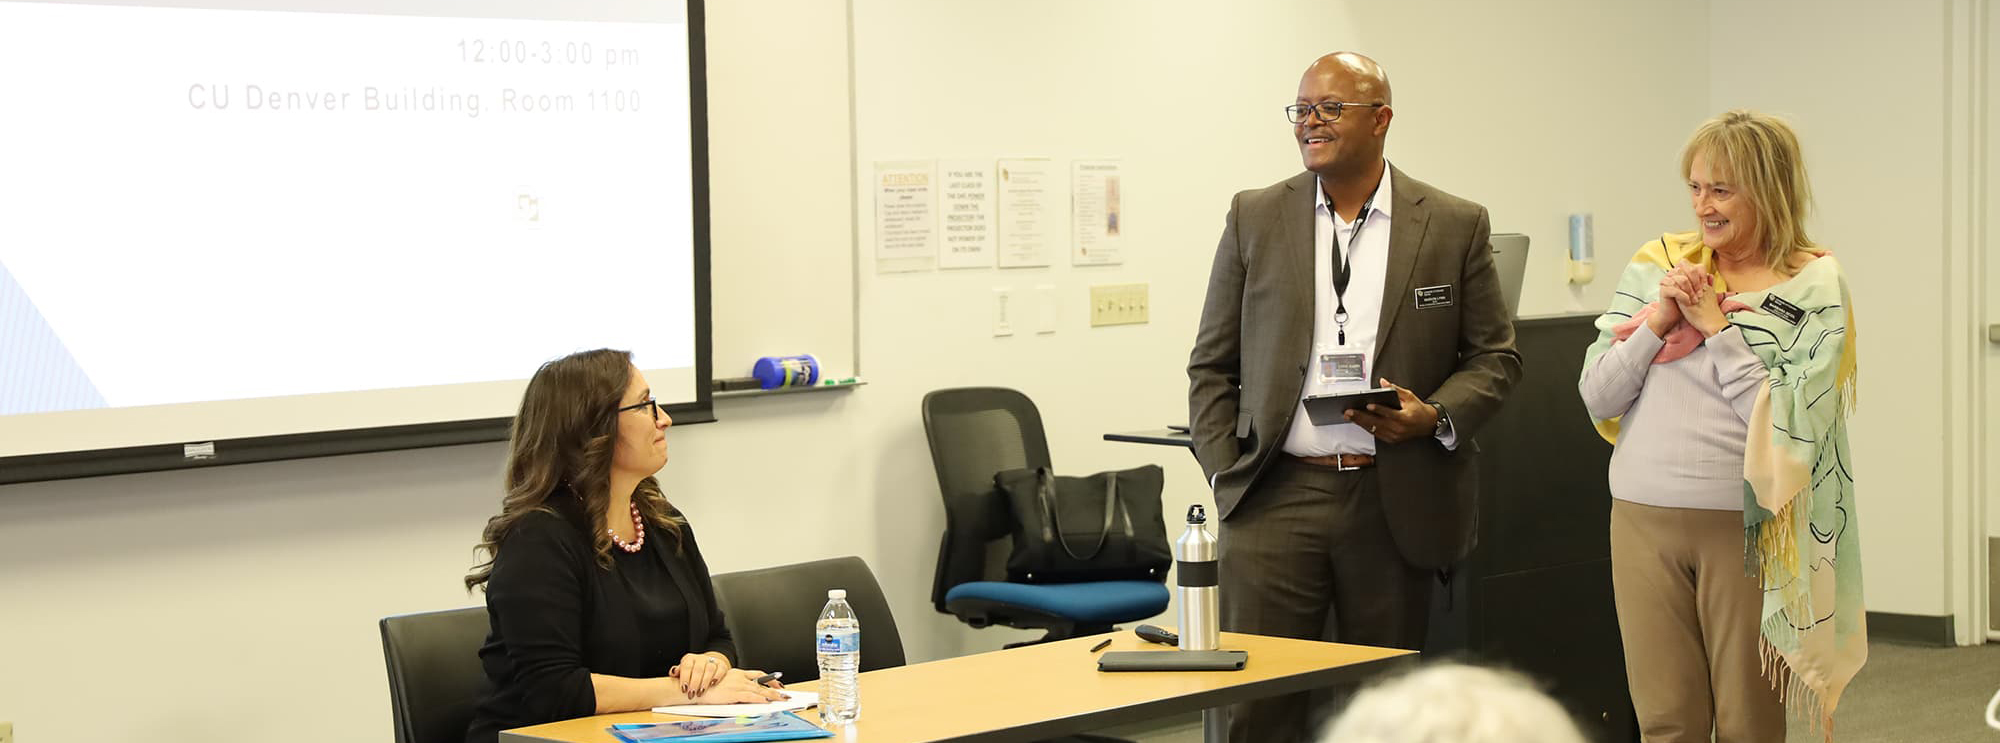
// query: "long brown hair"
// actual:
[[561, 447]]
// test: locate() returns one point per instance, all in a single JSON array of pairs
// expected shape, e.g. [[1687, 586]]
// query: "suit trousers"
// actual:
[[1308, 554], [1689, 616]]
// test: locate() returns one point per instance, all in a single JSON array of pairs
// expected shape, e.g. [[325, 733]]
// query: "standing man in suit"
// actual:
[[1346, 273]]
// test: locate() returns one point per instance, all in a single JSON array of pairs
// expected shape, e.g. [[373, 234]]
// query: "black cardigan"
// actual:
[[557, 617]]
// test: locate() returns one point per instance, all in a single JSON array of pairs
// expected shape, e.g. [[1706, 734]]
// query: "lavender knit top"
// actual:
[[1683, 422]]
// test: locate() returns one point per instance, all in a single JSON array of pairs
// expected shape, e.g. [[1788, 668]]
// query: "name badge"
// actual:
[[1783, 310], [1433, 296], [1343, 368]]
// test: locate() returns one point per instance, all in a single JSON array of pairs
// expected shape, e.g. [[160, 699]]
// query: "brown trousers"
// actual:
[[1311, 542], [1689, 616]]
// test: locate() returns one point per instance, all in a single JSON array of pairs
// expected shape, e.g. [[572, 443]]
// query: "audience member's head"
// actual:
[[1453, 703]]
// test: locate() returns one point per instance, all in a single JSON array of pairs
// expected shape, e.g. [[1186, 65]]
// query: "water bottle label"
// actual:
[[840, 642]]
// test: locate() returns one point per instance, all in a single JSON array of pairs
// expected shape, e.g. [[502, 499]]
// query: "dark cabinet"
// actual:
[[1535, 595]]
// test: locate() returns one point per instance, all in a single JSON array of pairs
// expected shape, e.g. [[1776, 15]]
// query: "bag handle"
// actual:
[[1045, 492]]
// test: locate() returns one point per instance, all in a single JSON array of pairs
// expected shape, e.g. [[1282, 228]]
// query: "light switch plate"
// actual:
[[1118, 304], [1005, 309], [1045, 309]]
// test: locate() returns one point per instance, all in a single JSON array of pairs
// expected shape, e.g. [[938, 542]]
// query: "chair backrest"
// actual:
[[772, 613], [434, 672], [975, 432]]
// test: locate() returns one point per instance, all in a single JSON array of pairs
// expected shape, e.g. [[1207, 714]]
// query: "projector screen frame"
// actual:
[[245, 450]]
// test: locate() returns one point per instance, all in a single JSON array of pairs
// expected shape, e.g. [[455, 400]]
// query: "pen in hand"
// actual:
[[770, 677]]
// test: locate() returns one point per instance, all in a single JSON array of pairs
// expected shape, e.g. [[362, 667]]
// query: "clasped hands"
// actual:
[[1687, 293], [706, 678], [1415, 420]]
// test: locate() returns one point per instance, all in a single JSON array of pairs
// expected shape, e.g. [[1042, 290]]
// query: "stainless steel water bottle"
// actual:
[[1195, 568]]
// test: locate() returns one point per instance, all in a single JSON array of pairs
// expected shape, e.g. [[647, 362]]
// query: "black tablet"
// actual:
[[1326, 410], [1173, 660]]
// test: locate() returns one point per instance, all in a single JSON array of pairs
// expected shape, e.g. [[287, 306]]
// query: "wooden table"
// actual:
[[1044, 691]]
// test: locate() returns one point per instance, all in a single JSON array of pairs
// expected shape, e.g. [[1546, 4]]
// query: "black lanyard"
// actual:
[[1342, 270]]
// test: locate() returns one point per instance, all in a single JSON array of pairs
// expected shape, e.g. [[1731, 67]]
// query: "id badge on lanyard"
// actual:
[[1341, 369]]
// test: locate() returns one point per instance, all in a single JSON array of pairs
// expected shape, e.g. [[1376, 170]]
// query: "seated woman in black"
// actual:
[[598, 597]]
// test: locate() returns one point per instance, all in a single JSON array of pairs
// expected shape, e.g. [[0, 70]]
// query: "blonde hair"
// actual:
[[1760, 154]]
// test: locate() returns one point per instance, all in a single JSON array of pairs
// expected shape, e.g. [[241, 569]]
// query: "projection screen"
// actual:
[[241, 231]]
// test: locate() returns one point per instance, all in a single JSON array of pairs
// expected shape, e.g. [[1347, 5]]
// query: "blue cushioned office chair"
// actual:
[[434, 672], [975, 432]]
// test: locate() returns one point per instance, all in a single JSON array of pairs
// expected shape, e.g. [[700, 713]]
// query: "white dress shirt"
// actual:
[[1368, 264]]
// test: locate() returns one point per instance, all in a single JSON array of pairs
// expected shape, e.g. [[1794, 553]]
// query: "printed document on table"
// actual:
[[798, 700]]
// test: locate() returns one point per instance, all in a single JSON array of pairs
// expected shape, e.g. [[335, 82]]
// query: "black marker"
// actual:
[[1102, 645]]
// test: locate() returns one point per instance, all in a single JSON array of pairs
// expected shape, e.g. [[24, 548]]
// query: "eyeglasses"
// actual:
[[1329, 111], [657, 409]]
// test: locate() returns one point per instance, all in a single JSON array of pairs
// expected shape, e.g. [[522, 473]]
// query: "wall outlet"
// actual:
[[1118, 304]]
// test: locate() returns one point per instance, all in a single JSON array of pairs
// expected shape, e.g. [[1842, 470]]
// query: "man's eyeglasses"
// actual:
[[656, 408], [1329, 111]]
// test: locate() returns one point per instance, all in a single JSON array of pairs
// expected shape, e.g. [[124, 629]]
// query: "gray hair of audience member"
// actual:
[[1453, 703]]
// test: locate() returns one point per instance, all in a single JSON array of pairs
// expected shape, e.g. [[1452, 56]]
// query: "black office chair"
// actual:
[[771, 612], [434, 672], [975, 432]]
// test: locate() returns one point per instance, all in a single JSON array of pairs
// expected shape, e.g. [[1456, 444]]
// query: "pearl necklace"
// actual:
[[638, 528]]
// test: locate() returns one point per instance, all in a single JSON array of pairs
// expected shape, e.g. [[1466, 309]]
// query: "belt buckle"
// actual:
[[1340, 464]]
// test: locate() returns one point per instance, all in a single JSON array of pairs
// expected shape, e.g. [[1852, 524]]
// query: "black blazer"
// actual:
[[557, 617]]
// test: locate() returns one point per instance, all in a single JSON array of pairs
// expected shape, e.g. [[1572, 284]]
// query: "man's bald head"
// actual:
[[1363, 75], [1343, 141]]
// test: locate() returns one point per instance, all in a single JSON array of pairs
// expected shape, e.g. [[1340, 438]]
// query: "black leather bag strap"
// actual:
[[1046, 493]]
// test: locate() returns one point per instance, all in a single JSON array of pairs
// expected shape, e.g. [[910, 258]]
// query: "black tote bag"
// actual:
[[1105, 526]]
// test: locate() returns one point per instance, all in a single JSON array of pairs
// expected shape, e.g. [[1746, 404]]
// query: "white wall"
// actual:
[[198, 606]]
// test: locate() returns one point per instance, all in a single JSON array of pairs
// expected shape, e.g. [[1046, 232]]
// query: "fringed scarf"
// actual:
[[1801, 527]]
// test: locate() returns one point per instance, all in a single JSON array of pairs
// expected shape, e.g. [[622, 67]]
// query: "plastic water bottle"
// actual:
[[839, 641], [1195, 571]]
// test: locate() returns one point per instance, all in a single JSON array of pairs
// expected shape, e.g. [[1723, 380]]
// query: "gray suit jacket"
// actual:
[[1253, 350]]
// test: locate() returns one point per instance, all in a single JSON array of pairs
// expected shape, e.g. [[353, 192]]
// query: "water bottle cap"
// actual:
[[1197, 514], [837, 593]]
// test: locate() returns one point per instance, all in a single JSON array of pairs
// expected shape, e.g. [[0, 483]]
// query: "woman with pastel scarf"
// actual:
[[1723, 373]]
